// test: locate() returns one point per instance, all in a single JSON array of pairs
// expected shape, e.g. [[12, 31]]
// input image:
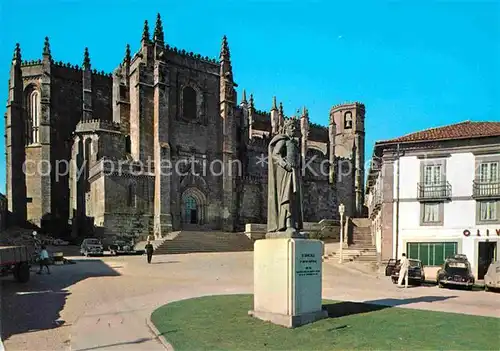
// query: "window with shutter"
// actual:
[[432, 254]]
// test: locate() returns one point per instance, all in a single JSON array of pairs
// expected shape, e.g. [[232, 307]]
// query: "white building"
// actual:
[[436, 193]]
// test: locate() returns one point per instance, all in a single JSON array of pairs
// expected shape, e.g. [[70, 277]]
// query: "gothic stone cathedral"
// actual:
[[78, 142]]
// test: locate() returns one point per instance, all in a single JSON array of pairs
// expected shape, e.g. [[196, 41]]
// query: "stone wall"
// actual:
[[65, 110], [137, 226], [251, 202], [129, 194], [101, 96], [320, 201], [345, 185]]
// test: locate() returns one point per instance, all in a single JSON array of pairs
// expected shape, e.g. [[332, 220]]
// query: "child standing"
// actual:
[[44, 260]]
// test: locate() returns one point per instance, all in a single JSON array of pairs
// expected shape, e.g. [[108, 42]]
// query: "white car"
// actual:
[[492, 277], [91, 246]]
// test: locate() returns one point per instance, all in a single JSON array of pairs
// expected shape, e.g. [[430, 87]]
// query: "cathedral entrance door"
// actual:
[[191, 214], [192, 209], [194, 217]]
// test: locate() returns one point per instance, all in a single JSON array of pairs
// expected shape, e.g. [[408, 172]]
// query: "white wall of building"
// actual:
[[459, 214]]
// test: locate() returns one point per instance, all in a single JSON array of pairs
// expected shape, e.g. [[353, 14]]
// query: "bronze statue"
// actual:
[[284, 210]]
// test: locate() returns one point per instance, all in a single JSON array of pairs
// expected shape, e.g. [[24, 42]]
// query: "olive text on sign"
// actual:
[[478, 233]]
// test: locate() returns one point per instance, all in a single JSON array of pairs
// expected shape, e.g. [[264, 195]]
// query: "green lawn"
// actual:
[[222, 323]]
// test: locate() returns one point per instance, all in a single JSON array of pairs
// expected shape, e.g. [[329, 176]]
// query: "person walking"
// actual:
[[149, 251], [403, 271], [44, 260]]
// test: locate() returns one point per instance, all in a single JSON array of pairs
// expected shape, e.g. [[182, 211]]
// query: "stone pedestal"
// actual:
[[287, 281]]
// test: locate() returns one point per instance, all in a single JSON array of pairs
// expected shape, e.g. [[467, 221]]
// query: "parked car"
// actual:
[[456, 271], [416, 274], [492, 276], [121, 247], [91, 246], [60, 242]]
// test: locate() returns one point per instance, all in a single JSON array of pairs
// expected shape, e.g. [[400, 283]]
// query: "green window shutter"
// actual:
[[424, 253], [439, 255], [450, 250], [431, 254], [412, 250]]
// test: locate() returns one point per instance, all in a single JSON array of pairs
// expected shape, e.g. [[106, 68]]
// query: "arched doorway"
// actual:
[[193, 207]]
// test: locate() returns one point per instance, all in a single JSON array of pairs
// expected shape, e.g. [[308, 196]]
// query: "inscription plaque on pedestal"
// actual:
[[307, 277]]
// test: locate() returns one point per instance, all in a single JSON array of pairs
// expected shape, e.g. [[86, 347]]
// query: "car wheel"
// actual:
[[23, 272]]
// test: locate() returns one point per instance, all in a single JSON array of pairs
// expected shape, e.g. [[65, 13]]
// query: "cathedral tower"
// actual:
[[349, 142]]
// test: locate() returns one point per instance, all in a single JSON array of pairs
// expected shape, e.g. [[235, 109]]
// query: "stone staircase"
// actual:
[[203, 241], [361, 248]]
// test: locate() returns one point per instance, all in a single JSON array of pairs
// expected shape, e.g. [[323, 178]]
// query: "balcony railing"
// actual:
[[436, 191], [486, 189]]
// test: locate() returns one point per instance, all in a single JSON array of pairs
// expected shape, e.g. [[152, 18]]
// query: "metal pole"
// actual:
[[341, 236]]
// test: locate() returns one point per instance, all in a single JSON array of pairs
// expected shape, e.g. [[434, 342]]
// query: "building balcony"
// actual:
[[485, 190], [436, 192]]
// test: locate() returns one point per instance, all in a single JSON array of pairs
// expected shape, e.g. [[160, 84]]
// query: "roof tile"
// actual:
[[462, 130]]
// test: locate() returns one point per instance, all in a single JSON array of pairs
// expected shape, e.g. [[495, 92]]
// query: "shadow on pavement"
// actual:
[[36, 305], [347, 308]]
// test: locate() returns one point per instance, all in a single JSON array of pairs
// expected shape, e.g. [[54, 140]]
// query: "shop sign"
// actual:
[[478, 232]]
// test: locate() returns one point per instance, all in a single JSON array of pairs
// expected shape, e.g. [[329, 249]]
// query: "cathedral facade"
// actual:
[[161, 144]]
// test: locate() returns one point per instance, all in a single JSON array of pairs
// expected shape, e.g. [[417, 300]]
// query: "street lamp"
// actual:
[[341, 211]]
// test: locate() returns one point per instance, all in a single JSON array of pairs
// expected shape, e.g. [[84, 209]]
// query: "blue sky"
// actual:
[[415, 65]]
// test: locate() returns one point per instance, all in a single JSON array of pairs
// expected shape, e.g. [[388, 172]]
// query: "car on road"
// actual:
[[121, 247], [416, 274], [492, 276], [456, 271], [91, 246], [60, 242]]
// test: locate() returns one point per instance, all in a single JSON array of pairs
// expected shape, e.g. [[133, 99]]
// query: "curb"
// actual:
[[158, 335]]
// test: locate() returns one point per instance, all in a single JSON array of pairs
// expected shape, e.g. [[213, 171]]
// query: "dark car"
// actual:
[[121, 247], [455, 271], [416, 274]]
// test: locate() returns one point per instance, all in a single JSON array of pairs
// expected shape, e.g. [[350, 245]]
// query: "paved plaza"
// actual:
[[103, 303]]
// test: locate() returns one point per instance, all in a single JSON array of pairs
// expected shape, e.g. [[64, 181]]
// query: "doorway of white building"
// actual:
[[487, 253]]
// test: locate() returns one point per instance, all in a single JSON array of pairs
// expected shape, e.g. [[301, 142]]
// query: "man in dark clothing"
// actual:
[[149, 251]]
